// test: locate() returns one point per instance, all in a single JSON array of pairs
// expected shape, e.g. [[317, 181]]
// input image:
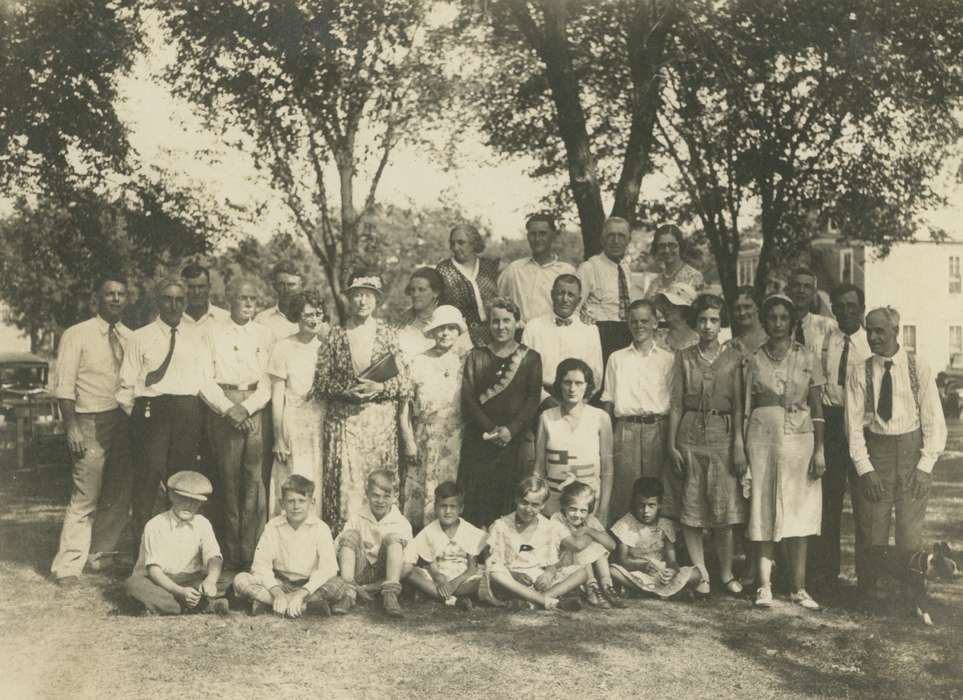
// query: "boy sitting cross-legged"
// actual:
[[449, 545], [371, 546], [295, 569], [179, 564]]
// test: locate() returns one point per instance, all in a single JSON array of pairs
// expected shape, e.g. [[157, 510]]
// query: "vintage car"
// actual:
[[31, 429]]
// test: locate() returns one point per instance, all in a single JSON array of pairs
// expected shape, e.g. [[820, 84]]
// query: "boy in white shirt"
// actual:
[[371, 546], [295, 569], [449, 545]]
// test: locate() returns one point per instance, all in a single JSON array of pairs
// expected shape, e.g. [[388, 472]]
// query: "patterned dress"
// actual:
[[458, 292], [785, 501], [302, 420], [684, 275], [359, 436], [497, 391], [649, 542], [436, 418]]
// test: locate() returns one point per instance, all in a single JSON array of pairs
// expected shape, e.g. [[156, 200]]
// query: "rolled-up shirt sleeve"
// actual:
[[855, 407], [64, 384], [932, 423]]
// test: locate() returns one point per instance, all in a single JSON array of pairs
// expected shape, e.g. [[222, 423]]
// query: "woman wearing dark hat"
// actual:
[[364, 377], [784, 447], [666, 248], [471, 281]]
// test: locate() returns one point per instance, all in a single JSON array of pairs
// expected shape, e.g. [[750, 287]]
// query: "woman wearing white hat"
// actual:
[[431, 422], [363, 376], [673, 304]]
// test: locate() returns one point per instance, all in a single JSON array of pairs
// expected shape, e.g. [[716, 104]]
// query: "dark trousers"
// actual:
[[894, 457], [614, 335], [157, 600], [239, 462], [165, 431], [823, 560]]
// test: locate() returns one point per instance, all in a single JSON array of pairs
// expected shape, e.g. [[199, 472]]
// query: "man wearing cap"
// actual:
[[637, 394], [236, 390], [287, 282], [200, 311], [844, 352], [85, 381], [160, 379], [179, 565], [561, 334], [811, 328], [607, 287], [896, 434], [528, 281]]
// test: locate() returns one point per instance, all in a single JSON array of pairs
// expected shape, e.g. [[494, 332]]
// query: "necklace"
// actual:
[[704, 356], [776, 360]]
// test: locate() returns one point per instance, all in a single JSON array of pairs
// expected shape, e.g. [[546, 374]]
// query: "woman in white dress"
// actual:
[[298, 418], [431, 422]]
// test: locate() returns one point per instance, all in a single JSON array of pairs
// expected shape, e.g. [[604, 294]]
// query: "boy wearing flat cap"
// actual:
[[179, 565]]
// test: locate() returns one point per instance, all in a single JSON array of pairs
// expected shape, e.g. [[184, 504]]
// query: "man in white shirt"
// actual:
[[236, 389], [528, 281], [811, 328], [637, 393], [844, 351], [561, 334], [200, 311], [896, 434], [287, 282], [160, 379], [607, 288], [85, 381]]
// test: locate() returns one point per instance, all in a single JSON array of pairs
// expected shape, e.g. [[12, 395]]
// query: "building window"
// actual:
[[956, 284], [846, 266], [746, 271], [956, 340], [909, 338]]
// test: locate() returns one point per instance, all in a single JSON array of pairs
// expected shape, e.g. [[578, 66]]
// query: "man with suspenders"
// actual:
[[896, 434]]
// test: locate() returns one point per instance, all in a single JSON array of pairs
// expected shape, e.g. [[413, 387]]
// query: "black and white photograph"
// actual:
[[481, 348]]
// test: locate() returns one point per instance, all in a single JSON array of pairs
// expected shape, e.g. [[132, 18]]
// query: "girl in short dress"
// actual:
[[645, 547], [575, 440]]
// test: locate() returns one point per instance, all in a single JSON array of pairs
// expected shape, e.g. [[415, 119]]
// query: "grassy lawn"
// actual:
[[84, 642]]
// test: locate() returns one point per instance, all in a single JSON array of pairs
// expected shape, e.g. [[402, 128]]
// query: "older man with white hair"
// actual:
[[896, 434], [160, 378], [236, 389]]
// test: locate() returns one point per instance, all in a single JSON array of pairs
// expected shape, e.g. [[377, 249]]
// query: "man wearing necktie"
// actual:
[[562, 334], [607, 288], [159, 384], [811, 327], [236, 389], [896, 434], [844, 351], [84, 383]]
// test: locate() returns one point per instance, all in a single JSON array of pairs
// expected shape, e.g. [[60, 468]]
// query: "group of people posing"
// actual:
[[538, 434]]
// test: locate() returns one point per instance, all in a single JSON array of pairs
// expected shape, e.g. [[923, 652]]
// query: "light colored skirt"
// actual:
[[303, 424], [785, 501]]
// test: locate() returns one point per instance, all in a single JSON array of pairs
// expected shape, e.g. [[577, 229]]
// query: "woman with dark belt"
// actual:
[[470, 280], [705, 442]]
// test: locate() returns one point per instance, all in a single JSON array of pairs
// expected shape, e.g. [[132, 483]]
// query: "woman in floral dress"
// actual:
[[431, 422], [361, 425]]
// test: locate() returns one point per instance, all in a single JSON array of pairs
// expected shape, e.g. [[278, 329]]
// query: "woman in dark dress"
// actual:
[[470, 280], [500, 396]]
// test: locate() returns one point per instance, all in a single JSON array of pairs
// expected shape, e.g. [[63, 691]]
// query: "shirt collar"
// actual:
[[310, 521], [390, 517], [176, 522], [655, 347], [898, 358], [162, 325], [469, 272], [102, 324], [536, 263]]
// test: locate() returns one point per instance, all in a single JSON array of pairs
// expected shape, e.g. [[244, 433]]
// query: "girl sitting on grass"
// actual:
[[524, 558], [587, 545], [646, 546]]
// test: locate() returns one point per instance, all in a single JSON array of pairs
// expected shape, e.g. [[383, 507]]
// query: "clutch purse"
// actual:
[[382, 369]]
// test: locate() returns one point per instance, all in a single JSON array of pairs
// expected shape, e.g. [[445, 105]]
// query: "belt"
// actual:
[[767, 401], [239, 387], [647, 419], [709, 412]]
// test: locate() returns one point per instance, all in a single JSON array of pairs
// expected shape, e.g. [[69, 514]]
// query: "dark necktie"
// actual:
[[116, 349], [563, 321], [800, 336], [843, 363], [158, 374], [884, 408], [623, 294]]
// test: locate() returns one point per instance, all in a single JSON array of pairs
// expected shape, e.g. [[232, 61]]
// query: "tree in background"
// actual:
[[52, 254], [777, 110], [577, 85], [323, 91]]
